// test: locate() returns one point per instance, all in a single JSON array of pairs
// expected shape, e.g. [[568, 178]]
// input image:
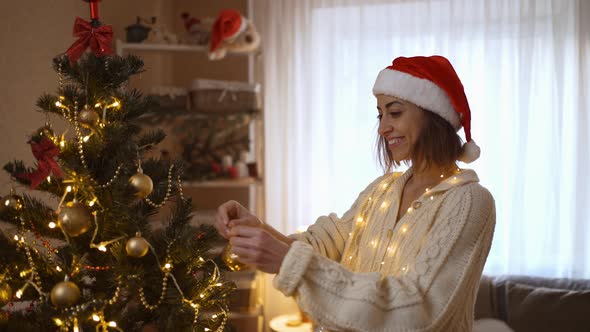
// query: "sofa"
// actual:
[[534, 304]]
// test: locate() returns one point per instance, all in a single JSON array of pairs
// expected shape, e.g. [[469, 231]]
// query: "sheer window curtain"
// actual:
[[525, 68]]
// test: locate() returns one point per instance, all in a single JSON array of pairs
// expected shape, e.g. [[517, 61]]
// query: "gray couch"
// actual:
[[533, 304]]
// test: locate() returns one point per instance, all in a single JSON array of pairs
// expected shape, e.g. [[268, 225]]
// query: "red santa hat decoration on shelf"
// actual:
[[232, 32]]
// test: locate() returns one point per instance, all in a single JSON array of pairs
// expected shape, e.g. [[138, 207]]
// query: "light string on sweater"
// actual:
[[368, 212]]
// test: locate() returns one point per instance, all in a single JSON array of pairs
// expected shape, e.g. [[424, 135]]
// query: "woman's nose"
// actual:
[[384, 128]]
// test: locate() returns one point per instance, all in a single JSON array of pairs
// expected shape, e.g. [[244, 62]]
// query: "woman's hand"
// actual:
[[256, 243], [257, 246], [232, 210]]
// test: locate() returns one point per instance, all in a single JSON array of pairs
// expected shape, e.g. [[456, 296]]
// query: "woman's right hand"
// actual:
[[232, 210], [231, 214]]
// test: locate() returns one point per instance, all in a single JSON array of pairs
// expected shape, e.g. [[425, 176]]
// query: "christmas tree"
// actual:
[[88, 259]]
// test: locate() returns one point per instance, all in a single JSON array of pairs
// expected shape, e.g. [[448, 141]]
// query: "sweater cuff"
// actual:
[[293, 267]]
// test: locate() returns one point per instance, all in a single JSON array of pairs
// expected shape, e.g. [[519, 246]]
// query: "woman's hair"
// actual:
[[438, 144]]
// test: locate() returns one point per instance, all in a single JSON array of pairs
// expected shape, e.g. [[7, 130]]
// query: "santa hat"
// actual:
[[228, 25], [432, 84]]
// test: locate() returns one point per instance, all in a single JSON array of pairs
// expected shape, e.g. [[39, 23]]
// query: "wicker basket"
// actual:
[[224, 96], [170, 97]]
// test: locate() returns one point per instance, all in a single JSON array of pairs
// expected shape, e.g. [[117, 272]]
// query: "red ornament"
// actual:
[[45, 152], [232, 172], [98, 39], [216, 168]]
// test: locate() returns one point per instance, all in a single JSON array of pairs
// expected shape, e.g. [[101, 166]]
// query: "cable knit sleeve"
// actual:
[[443, 276], [328, 235]]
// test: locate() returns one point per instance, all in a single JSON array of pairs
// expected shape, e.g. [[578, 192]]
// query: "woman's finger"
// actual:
[[246, 231], [250, 220]]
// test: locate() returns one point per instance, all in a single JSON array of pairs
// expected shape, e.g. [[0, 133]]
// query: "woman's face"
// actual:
[[400, 123]]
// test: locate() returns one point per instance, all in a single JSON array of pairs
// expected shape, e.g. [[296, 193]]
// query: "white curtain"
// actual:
[[526, 71]]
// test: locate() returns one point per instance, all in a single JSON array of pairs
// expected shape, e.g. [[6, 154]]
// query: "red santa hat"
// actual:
[[228, 25], [432, 84]]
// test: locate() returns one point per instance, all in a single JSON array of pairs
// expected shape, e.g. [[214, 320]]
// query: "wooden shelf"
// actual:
[[224, 183], [123, 46]]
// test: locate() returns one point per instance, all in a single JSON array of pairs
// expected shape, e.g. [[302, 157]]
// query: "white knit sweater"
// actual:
[[364, 272]]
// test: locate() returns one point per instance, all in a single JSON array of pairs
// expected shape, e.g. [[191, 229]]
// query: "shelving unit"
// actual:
[[207, 195]]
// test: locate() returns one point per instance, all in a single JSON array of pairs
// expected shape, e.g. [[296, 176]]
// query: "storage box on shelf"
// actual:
[[208, 107]]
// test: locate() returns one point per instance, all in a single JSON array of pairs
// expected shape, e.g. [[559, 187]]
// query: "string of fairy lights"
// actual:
[[369, 211], [78, 211]]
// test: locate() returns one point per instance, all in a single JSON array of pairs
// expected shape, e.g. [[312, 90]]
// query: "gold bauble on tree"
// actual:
[[88, 118], [142, 184], [137, 246], [65, 294], [5, 294], [75, 218], [13, 201], [232, 260]]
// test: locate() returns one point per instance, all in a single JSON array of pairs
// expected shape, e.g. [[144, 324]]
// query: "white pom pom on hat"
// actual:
[[432, 84]]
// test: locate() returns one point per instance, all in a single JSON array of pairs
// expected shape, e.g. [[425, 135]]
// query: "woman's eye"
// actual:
[[394, 114], [379, 116]]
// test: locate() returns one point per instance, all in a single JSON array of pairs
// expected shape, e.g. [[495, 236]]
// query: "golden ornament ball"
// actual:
[[75, 219], [137, 246], [142, 184], [232, 260], [13, 201], [5, 294], [88, 118], [65, 294]]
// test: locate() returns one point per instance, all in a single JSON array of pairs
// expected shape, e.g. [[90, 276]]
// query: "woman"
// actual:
[[409, 254]]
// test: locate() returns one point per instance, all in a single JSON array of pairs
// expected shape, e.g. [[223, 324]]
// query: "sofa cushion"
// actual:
[[542, 309]]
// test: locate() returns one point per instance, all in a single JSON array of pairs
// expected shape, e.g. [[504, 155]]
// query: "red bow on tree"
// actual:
[[99, 39], [44, 151]]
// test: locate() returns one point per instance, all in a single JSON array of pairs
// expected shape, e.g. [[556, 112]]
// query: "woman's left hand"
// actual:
[[257, 246]]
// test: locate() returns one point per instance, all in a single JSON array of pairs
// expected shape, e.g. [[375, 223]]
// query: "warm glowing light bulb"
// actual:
[[62, 143], [218, 284], [382, 263], [102, 248], [359, 219], [112, 324], [116, 104], [404, 229], [15, 237], [19, 294], [69, 188], [97, 105], [76, 329], [349, 257], [167, 266], [95, 318], [431, 198], [52, 225], [58, 322], [383, 205], [201, 295], [86, 138], [442, 176], [49, 179], [214, 316], [58, 104]]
